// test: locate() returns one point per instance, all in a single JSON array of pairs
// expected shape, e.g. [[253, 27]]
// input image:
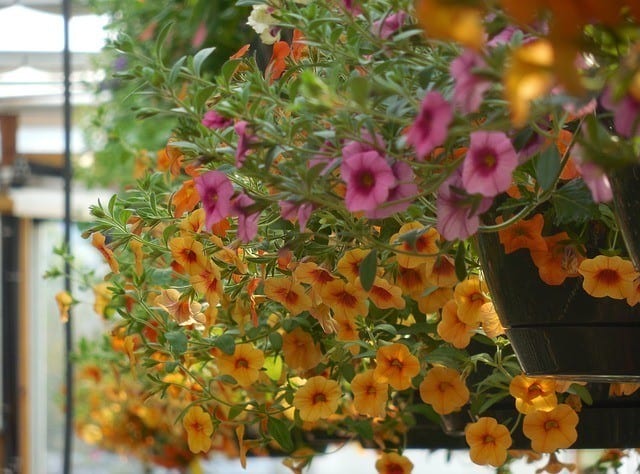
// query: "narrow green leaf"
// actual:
[[547, 166], [178, 341], [175, 70], [368, 269], [226, 343], [279, 431], [460, 266], [582, 392], [200, 58], [359, 88], [276, 341]]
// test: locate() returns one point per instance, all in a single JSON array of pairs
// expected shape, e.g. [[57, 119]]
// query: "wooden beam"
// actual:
[[8, 132]]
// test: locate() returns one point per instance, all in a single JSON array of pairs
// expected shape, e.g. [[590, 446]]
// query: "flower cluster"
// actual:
[[301, 251]]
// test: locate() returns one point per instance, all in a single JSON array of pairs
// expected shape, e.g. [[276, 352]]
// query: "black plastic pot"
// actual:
[[625, 184], [560, 331]]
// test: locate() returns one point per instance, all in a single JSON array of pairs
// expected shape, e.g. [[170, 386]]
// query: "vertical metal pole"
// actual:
[[68, 429]]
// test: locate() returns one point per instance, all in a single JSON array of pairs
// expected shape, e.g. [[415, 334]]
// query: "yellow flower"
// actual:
[[385, 295], [445, 20], [64, 301], [418, 250], [98, 241], [180, 309], [349, 264], [551, 430], [299, 350], [188, 254], [488, 441], [317, 399], [197, 423], [208, 282], [369, 396], [452, 329], [243, 365], [288, 293], [608, 276], [412, 281], [345, 299], [435, 300], [396, 366], [102, 295], [533, 394], [443, 272], [470, 296], [444, 389], [490, 321], [393, 463]]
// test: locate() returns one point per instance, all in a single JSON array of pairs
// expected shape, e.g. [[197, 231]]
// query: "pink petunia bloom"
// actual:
[[369, 179], [400, 196], [387, 27], [593, 176], [291, 210], [468, 87], [429, 129], [352, 6], [626, 113], [247, 221], [245, 139], [215, 121], [489, 163], [215, 190], [456, 216]]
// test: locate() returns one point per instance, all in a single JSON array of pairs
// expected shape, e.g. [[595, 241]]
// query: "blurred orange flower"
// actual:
[[488, 441], [197, 423], [244, 364], [369, 396], [394, 463], [299, 350], [317, 399], [444, 389]]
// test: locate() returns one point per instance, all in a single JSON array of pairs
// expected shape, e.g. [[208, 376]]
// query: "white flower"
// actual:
[[263, 23]]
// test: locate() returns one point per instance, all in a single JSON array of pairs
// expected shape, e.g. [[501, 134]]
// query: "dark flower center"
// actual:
[[608, 277]]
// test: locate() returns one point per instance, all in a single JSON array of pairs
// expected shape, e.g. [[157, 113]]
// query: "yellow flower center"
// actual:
[[488, 439], [550, 425], [397, 363], [319, 397]]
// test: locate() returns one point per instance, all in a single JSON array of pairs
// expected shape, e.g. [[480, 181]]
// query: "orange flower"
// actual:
[[385, 295], [524, 234], [98, 241], [64, 301], [180, 309], [634, 297], [559, 260], [443, 272], [622, 389], [533, 394], [346, 328], [470, 296], [170, 159], [488, 441], [188, 253], [209, 283], [349, 264], [299, 350], [243, 365], [288, 293], [551, 430], [277, 63], [452, 329], [443, 20], [313, 274], [197, 423], [345, 299], [393, 463], [396, 366], [419, 245], [563, 140], [490, 321], [185, 198], [193, 222], [435, 300], [369, 396], [103, 297], [444, 389], [317, 399], [136, 249], [412, 281], [608, 276]]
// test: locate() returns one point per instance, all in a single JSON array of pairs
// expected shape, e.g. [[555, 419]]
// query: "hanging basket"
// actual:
[[560, 331], [625, 184]]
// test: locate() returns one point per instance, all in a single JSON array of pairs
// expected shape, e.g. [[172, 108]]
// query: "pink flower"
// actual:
[[489, 163], [626, 113], [400, 196], [468, 87], [215, 121], [429, 130], [215, 191], [387, 27], [369, 179], [457, 212], [352, 7], [290, 210], [247, 221], [245, 139], [593, 176]]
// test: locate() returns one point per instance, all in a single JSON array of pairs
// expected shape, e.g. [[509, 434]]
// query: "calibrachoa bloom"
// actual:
[[197, 423], [389, 25], [369, 396], [369, 180], [452, 329], [247, 220], [215, 190], [394, 463], [317, 399], [299, 350], [444, 389], [215, 121], [429, 129], [401, 195], [396, 366], [551, 430], [608, 276], [533, 394], [488, 441], [469, 87], [244, 364], [245, 139], [470, 295], [489, 163], [288, 293], [524, 234]]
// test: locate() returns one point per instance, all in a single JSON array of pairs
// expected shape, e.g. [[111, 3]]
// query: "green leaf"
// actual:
[[175, 70], [461, 268], [386, 328], [279, 431], [225, 343], [573, 203], [234, 411], [547, 167], [582, 392], [487, 402], [178, 341], [448, 356], [425, 410], [200, 58], [359, 89], [276, 341], [368, 269]]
